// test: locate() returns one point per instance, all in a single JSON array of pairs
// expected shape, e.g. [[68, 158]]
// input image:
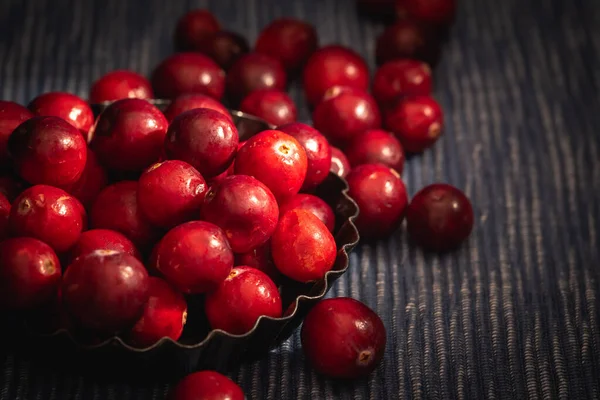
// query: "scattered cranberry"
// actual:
[[339, 162], [206, 385], [67, 106], [434, 12], [399, 78], [312, 204], [188, 102], [416, 121], [120, 84], [244, 208], [11, 116], [343, 338], [259, 258], [102, 239], [255, 71], [4, 214], [11, 186], [376, 146], [244, 296], [275, 107], [407, 39], [381, 197], [225, 48], [193, 28], [90, 183]]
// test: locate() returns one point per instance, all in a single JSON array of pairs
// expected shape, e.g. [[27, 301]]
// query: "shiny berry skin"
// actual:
[[290, 40], [274, 106], [417, 122], [276, 159], [259, 258], [105, 291], [4, 215], [120, 84], [376, 146], [67, 106], [381, 197], [434, 12], [102, 239], [244, 296], [90, 183], [203, 138], [254, 71], [224, 48], [343, 338], [193, 28], [317, 149], [339, 163], [48, 150], [188, 102], [184, 73], [407, 39], [244, 208], [206, 385], [333, 66], [399, 78], [164, 315], [439, 217], [11, 116], [129, 135], [312, 204], [50, 215], [303, 248]]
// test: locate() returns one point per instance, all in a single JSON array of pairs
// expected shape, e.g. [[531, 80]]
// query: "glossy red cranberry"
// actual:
[[399, 78], [29, 273], [339, 162], [434, 12], [254, 71], [184, 73], [90, 183], [259, 258], [302, 247], [275, 107], [376, 146], [343, 338], [102, 239], [244, 296], [120, 84], [224, 48], [439, 217], [188, 102], [381, 197], [290, 40], [67, 106], [11, 116], [193, 28], [244, 208], [206, 385], [417, 122], [106, 290], [203, 138], [276, 159], [407, 39], [47, 150], [4, 214], [312, 204], [49, 214]]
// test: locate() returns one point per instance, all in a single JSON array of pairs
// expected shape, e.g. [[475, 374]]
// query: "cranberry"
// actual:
[[188, 102], [275, 107], [276, 159], [259, 258], [49, 214], [381, 197], [224, 48], [4, 214], [47, 150], [439, 217], [11, 186], [255, 71], [67, 106], [106, 290], [339, 162], [90, 183], [416, 121], [343, 338], [206, 385], [193, 28], [244, 296], [204, 138], [29, 273], [399, 78], [120, 84], [11, 116], [312, 204], [376, 146], [102, 239], [435, 12], [289, 40], [302, 247], [184, 73], [407, 39], [244, 208]]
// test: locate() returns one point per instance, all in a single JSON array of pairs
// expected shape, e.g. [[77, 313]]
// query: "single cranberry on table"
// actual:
[[408, 39], [224, 48], [435, 12], [4, 215], [259, 258], [339, 163], [274, 106], [254, 71], [193, 28], [399, 78], [11, 115], [120, 84], [102, 239], [188, 102], [376, 146], [91, 182], [206, 385], [67, 106], [312, 204]]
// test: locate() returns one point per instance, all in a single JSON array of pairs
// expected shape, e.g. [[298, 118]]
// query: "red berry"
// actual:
[[399, 78], [435, 12], [11, 116], [106, 290], [47, 150], [376, 146], [102, 239], [50, 215], [193, 28], [164, 315], [439, 217], [275, 107], [4, 214], [333, 66], [11, 186], [120, 84], [407, 39], [303, 248], [224, 48], [312, 204], [188, 102], [129, 135], [254, 71], [205, 139], [259, 258], [417, 122], [244, 208], [67, 106], [381, 197], [276, 159], [339, 163], [90, 183], [244, 296], [184, 73], [343, 338], [206, 385]]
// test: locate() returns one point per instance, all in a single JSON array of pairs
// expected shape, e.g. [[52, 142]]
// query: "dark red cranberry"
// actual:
[[302, 247], [376, 146], [102, 239], [67, 106], [203, 138], [11, 116], [224, 48], [90, 183], [255, 71], [184, 73], [244, 208], [343, 338], [399, 78], [276, 159], [188, 102], [339, 163], [120, 84], [417, 122], [275, 107], [439, 217], [4, 214], [381, 197], [312, 204], [244, 296], [407, 39], [228, 172], [49, 214], [434, 12], [29, 273], [47, 150], [206, 385], [193, 28], [290, 40], [106, 290], [259, 258]]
